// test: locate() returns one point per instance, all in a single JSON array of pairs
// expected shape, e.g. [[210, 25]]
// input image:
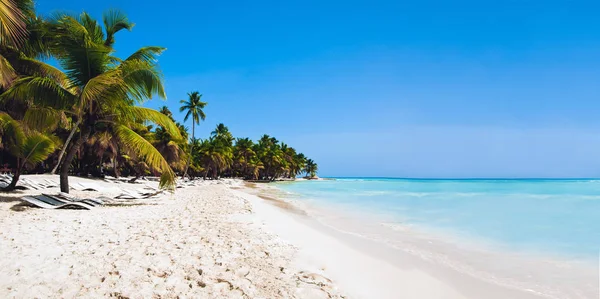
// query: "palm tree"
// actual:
[[166, 111], [25, 145], [114, 21], [311, 168], [194, 107], [221, 131], [244, 156], [299, 164], [98, 88], [213, 156]]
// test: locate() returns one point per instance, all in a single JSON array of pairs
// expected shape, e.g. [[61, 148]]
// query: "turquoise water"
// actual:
[[555, 216]]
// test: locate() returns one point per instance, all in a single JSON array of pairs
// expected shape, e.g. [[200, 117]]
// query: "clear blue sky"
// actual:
[[387, 88]]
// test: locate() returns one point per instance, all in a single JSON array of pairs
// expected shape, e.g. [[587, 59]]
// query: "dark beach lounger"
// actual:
[[55, 201], [70, 199], [97, 200], [49, 203]]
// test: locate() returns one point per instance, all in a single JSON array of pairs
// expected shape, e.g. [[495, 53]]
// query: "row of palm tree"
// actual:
[[84, 117], [222, 155]]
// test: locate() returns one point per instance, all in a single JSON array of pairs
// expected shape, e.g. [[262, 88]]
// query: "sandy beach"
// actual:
[[216, 239], [200, 242]]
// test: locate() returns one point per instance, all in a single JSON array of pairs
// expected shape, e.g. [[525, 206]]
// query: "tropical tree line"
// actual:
[[222, 155], [85, 116]]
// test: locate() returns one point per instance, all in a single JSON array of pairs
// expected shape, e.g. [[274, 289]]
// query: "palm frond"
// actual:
[[7, 72], [12, 133], [143, 80], [36, 68], [12, 23], [115, 21], [136, 114], [149, 153], [44, 119], [37, 147], [108, 86], [78, 44], [43, 91], [146, 54], [93, 29]]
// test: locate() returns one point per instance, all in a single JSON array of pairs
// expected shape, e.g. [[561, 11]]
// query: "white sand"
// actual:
[[214, 240], [200, 242]]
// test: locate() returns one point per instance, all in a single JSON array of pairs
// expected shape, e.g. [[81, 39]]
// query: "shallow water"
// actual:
[[539, 235]]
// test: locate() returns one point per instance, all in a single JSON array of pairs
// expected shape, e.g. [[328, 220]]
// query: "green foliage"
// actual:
[[311, 168], [28, 145], [150, 154], [37, 147], [268, 159], [194, 107]]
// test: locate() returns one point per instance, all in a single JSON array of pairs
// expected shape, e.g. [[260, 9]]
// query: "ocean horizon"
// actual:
[[462, 178]]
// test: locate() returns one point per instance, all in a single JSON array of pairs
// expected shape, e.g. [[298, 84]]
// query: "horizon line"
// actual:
[[458, 178]]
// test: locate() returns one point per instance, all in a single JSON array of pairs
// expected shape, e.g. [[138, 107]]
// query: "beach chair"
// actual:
[[50, 184], [66, 198], [32, 184], [5, 179], [140, 194], [46, 202], [99, 200], [83, 187]]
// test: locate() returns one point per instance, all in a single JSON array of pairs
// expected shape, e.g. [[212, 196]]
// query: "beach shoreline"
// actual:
[[466, 264], [214, 239]]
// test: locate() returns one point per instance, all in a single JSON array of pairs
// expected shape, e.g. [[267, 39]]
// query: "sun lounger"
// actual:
[[83, 187], [70, 199], [55, 201], [140, 194], [126, 194], [5, 179], [30, 184], [98, 200], [48, 203], [50, 183]]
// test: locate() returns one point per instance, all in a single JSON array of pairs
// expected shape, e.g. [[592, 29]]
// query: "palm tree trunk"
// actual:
[[62, 151], [15, 178], [115, 168], [66, 165], [187, 166]]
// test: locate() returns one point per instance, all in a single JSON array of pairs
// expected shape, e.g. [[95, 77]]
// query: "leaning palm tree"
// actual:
[[98, 89], [194, 107], [114, 21]]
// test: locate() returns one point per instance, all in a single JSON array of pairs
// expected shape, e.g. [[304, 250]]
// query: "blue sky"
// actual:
[[387, 88]]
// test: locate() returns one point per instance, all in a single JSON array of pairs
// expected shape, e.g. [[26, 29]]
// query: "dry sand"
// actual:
[[201, 242]]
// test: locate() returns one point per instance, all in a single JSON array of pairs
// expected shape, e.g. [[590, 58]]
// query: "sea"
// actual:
[[540, 235]]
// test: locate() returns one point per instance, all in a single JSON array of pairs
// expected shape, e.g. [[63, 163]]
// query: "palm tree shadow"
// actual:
[[9, 199], [18, 207]]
